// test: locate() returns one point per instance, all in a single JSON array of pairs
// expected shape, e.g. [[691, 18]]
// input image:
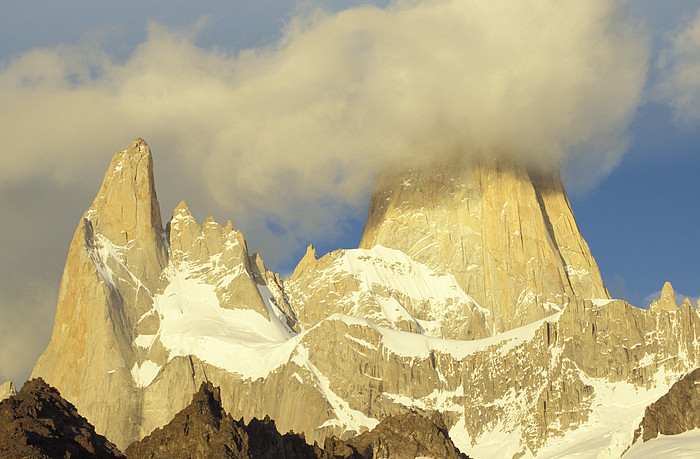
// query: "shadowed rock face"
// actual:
[[38, 423], [676, 412]]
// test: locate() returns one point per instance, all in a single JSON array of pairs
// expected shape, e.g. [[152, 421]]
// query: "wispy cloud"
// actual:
[[680, 65]]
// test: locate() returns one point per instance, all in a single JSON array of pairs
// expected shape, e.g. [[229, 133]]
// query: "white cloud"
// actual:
[[297, 130], [680, 66]]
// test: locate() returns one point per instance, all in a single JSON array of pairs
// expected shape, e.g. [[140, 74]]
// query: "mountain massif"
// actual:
[[472, 294]]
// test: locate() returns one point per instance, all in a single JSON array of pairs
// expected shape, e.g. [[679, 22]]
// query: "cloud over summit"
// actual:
[[295, 131]]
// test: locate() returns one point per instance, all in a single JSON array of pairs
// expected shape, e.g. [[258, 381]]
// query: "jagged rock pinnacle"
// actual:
[[126, 207], [667, 301], [117, 250], [309, 259]]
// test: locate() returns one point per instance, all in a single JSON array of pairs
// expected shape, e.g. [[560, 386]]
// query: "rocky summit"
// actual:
[[472, 294], [506, 234]]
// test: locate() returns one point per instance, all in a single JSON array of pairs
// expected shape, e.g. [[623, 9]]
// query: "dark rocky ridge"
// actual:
[[204, 430], [407, 435], [39, 423], [676, 412]]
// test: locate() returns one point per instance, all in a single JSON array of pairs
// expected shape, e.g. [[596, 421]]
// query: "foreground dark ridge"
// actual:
[[38, 423], [204, 430]]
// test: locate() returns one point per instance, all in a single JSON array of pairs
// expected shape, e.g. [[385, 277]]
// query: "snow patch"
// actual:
[[237, 340], [401, 287], [681, 446], [144, 341], [600, 301], [616, 411], [145, 373], [408, 344]]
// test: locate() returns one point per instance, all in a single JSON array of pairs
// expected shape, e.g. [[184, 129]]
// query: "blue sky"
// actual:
[[636, 199]]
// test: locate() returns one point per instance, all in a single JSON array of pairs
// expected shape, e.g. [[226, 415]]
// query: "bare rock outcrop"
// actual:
[[676, 412], [113, 268], [38, 423], [204, 430]]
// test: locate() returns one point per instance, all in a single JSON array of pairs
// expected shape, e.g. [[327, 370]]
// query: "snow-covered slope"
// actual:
[[681, 446], [385, 286]]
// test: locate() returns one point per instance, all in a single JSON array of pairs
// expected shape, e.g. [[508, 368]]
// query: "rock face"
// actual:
[[7, 389], [508, 236], [676, 412], [477, 250], [385, 286], [38, 423], [114, 263]]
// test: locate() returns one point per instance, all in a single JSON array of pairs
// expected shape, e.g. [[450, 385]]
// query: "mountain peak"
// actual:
[[309, 259], [126, 207], [667, 300], [182, 209], [508, 236]]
